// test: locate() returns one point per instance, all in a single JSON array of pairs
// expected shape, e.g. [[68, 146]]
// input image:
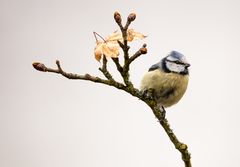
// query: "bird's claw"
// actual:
[[163, 111], [148, 94]]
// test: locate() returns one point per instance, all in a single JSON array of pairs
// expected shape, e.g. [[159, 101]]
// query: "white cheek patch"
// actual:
[[175, 67]]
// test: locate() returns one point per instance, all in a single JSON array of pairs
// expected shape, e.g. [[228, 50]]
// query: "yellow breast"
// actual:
[[169, 87]]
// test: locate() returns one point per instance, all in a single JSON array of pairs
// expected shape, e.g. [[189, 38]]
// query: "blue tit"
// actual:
[[168, 79]]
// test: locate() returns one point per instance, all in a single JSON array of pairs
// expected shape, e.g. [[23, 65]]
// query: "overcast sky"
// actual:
[[49, 121]]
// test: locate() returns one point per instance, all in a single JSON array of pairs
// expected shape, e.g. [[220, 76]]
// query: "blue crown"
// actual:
[[176, 55]]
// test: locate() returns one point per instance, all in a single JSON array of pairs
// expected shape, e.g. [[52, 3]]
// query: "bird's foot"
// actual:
[[163, 112], [162, 109], [148, 94]]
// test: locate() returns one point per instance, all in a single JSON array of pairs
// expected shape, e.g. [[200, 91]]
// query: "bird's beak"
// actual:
[[187, 65]]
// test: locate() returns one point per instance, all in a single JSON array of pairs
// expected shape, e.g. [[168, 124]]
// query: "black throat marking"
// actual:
[[164, 66]]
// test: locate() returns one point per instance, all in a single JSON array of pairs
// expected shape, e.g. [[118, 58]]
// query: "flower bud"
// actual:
[[131, 17], [117, 17], [143, 50], [39, 66]]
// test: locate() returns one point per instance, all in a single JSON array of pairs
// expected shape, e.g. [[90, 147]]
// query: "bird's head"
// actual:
[[176, 62]]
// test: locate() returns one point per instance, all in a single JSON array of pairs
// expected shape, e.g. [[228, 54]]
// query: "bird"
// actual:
[[167, 80]]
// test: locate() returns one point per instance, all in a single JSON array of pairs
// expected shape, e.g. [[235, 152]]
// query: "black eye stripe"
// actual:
[[176, 62]]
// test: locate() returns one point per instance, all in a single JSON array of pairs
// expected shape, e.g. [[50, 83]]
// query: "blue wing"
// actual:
[[155, 66]]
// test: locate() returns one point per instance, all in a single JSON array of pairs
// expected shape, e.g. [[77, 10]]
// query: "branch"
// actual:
[[124, 29], [133, 91], [41, 67], [181, 147], [127, 86], [119, 67], [125, 70], [186, 156], [142, 50], [104, 70]]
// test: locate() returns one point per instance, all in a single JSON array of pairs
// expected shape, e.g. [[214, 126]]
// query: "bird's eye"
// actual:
[[178, 62]]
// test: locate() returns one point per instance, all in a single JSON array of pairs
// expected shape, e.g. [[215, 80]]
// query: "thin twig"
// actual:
[[118, 65], [130, 19], [124, 29], [118, 19], [41, 67], [104, 70], [141, 51]]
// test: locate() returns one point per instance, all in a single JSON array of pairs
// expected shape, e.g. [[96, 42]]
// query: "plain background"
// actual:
[[47, 120]]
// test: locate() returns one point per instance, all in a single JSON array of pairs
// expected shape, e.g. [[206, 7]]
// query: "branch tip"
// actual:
[[59, 66], [143, 50], [57, 62], [118, 17], [39, 66], [131, 17]]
